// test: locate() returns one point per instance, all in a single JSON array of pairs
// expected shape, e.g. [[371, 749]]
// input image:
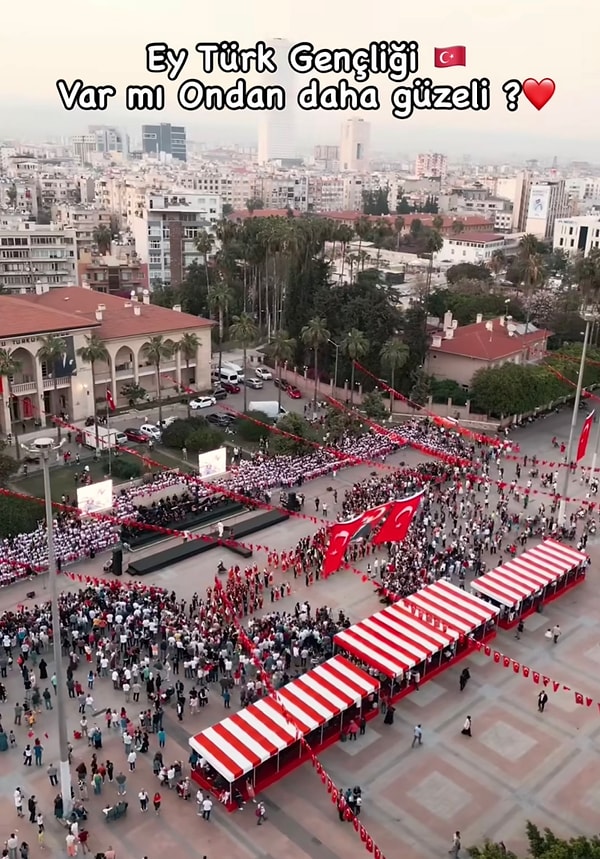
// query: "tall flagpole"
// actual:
[[595, 457], [109, 439]]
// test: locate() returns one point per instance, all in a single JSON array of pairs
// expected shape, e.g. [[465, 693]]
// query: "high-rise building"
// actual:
[[110, 139], [36, 255], [520, 198], [355, 145], [577, 235], [83, 145], [276, 131], [431, 164], [164, 140], [547, 202]]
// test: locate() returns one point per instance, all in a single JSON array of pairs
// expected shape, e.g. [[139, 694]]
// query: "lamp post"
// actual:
[[562, 507], [45, 447], [337, 357]]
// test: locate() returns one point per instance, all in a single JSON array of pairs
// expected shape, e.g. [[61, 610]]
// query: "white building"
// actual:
[[84, 146], [474, 247], [547, 202], [32, 255], [577, 235], [166, 231], [276, 131], [355, 145], [429, 164]]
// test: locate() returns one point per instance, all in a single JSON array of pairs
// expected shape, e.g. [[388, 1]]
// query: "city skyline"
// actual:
[[521, 42]]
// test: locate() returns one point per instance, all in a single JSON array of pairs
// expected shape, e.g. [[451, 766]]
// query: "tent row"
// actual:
[[524, 582]]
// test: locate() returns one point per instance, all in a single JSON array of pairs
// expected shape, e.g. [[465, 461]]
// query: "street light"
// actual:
[[337, 356], [45, 447], [589, 317]]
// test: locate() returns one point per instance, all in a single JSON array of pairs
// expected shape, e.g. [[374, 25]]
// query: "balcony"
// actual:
[[63, 382], [23, 388]]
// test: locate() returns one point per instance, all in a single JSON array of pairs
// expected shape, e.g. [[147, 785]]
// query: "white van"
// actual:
[[271, 408], [229, 367], [226, 375]]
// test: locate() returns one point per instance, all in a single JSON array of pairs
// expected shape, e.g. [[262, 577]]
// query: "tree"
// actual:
[[394, 355], [497, 262], [469, 271], [416, 228], [457, 227], [93, 351], [9, 367], [281, 350], [204, 244], [438, 223], [50, 353], [355, 345], [188, 349], [314, 335], [102, 236], [282, 445], [254, 204], [433, 244], [8, 466], [227, 210], [544, 845], [156, 351], [133, 393], [421, 388], [374, 406], [514, 389], [220, 297], [243, 330]]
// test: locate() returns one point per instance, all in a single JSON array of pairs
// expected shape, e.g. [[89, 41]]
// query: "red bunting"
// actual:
[[578, 698], [516, 667], [526, 671], [536, 677], [497, 656]]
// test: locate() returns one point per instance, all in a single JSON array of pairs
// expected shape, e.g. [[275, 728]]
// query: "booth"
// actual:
[[525, 583], [456, 609], [398, 641], [264, 741]]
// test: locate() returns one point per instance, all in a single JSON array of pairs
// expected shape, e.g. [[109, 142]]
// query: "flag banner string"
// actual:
[[585, 394], [479, 437], [337, 796], [573, 359], [537, 677]]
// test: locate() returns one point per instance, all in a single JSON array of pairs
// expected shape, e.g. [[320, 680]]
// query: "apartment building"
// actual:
[[32, 254], [19, 196], [431, 164], [118, 273], [578, 235], [165, 141], [548, 201], [165, 232], [84, 220]]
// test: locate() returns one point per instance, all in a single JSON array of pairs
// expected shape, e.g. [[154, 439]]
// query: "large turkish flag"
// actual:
[[395, 528]]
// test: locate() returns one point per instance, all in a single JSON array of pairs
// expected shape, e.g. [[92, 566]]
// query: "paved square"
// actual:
[[438, 793], [427, 694]]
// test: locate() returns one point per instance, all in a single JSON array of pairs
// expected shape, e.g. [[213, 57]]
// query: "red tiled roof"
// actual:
[[242, 214], [482, 238], [19, 318], [119, 319], [476, 341]]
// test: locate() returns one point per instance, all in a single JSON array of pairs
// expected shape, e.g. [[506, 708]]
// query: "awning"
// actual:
[[523, 576], [394, 640], [454, 608], [241, 742]]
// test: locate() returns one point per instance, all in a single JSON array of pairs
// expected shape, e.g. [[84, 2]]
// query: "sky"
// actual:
[[103, 42]]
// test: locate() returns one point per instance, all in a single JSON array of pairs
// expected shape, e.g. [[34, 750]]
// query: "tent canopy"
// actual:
[[238, 744], [394, 640], [454, 608], [526, 574]]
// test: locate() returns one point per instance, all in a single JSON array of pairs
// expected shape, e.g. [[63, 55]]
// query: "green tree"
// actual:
[[394, 355], [243, 330], [50, 353], [188, 349], [374, 406], [204, 244], [457, 228], [281, 350], [204, 439], [9, 367], [296, 425], [156, 351], [94, 351], [133, 393], [314, 335], [17, 515], [421, 388], [467, 271], [102, 236], [220, 297], [356, 346], [497, 262]]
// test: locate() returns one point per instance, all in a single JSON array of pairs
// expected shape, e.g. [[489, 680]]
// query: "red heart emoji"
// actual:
[[538, 93]]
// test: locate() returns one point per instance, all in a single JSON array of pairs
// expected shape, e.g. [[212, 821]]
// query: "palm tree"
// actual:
[[156, 351], [103, 238], [398, 227], [355, 345], [344, 235], [204, 243], [9, 367], [438, 223], [50, 353], [314, 335], [188, 348], [497, 262], [220, 297], [433, 243], [394, 355], [281, 349], [94, 350], [243, 330], [457, 227], [534, 274]]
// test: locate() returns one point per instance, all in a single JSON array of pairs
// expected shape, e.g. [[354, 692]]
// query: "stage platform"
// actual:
[[223, 510]]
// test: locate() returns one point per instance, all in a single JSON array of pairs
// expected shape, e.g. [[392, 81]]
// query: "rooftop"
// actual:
[[480, 238], [490, 340], [119, 319]]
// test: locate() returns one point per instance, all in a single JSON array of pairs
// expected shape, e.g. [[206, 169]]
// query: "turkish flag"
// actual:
[[109, 400], [395, 527], [456, 55], [585, 436], [343, 533]]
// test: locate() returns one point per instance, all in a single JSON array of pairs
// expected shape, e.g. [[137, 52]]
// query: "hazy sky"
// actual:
[[102, 42]]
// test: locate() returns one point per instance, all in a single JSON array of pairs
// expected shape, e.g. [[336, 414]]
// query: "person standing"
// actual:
[[52, 775], [206, 808], [467, 727], [156, 802], [261, 813], [32, 808], [417, 736], [455, 849], [121, 780], [542, 701], [465, 676], [143, 798], [556, 633], [18, 798], [131, 759], [12, 844]]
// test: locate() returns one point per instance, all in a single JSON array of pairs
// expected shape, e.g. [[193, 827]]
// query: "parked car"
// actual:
[[220, 393], [220, 420], [166, 422], [283, 384], [134, 434], [264, 373], [294, 393], [257, 384], [203, 402], [151, 431], [230, 388]]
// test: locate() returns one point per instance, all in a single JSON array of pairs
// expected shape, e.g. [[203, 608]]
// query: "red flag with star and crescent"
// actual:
[[110, 400], [395, 528], [343, 533], [585, 436], [455, 55]]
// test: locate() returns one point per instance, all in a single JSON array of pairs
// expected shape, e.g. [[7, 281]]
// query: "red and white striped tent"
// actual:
[[454, 608], [242, 742], [395, 640], [530, 572]]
